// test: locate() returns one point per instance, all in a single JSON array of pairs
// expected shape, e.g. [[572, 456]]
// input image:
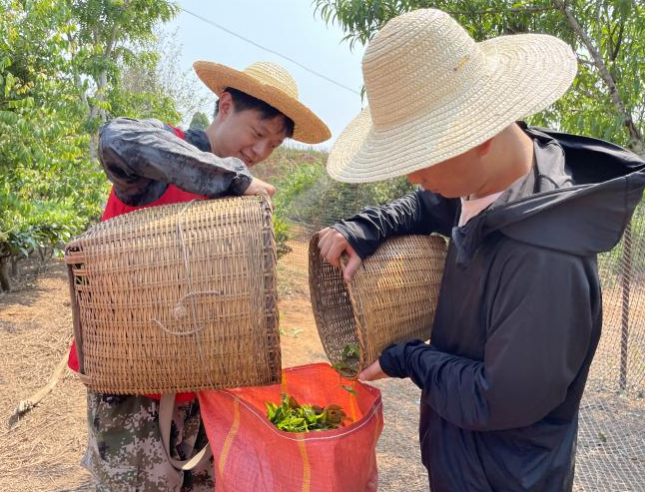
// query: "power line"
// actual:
[[268, 50]]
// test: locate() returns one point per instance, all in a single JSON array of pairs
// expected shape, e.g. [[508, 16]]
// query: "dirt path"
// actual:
[[42, 451]]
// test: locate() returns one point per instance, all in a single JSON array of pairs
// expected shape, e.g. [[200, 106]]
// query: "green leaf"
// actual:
[[349, 389], [290, 416]]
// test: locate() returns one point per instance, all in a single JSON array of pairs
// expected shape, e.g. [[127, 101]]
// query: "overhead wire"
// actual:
[[268, 50]]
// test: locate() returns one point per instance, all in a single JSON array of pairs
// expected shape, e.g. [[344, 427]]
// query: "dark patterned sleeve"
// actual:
[[141, 157]]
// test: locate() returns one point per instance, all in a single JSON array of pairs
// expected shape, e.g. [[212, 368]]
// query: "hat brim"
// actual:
[[525, 74], [308, 128]]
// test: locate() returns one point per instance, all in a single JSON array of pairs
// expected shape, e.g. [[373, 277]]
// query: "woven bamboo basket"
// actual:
[[177, 298], [392, 298]]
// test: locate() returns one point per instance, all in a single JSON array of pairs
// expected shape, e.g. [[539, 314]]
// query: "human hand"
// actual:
[[332, 244], [372, 373], [259, 187]]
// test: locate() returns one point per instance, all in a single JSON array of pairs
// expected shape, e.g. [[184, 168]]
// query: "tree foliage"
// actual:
[[111, 37], [608, 37], [200, 121], [185, 88], [64, 66], [50, 188], [307, 195]]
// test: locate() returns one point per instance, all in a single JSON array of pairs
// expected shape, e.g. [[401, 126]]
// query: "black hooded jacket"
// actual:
[[519, 314]]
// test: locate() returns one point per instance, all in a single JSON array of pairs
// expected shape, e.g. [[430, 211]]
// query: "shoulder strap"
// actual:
[[166, 407]]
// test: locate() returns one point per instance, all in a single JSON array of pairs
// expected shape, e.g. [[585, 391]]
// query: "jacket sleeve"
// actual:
[[421, 212], [137, 153], [538, 336]]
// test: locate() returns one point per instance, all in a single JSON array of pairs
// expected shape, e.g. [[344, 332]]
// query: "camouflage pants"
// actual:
[[125, 452]]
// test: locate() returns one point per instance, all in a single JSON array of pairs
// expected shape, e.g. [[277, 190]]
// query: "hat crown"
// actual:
[[419, 61], [273, 75]]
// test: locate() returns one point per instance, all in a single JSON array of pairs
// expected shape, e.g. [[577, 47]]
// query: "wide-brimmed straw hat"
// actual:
[[271, 83], [435, 93]]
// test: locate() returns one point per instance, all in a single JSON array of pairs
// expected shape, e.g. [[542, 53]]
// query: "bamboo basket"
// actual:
[[391, 299], [177, 298]]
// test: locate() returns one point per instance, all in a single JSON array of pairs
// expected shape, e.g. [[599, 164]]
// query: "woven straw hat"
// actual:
[[272, 84], [435, 93]]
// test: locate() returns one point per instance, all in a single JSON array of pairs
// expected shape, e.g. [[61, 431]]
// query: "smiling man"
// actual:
[[151, 163]]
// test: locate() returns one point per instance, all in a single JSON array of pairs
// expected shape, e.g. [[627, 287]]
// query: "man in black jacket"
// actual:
[[520, 311]]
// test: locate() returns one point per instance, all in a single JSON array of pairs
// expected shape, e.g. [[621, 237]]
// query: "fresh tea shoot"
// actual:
[[349, 364], [290, 416]]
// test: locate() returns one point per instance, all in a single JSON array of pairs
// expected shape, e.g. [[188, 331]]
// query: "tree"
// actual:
[[608, 37], [140, 94], [104, 40], [158, 88], [50, 189], [199, 121], [188, 92], [64, 68]]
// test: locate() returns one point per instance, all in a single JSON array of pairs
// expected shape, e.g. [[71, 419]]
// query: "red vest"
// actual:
[[116, 207]]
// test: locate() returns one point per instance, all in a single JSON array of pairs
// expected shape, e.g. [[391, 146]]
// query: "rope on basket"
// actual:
[[180, 310]]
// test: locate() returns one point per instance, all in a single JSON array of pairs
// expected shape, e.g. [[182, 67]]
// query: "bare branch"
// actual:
[[512, 10], [619, 42], [582, 61]]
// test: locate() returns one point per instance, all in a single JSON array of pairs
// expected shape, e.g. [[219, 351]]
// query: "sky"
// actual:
[[288, 27]]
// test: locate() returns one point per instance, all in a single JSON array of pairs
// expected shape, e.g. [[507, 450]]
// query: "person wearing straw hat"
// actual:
[[151, 163], [527, 210]]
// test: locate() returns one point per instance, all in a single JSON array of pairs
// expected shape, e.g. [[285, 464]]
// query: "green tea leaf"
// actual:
[[290, 416]]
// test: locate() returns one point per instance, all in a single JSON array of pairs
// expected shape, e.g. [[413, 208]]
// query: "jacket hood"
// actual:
[[581, 207]]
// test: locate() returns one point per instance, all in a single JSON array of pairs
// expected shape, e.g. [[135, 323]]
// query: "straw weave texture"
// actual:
[[434, 93], [177, 298], [392, 297]]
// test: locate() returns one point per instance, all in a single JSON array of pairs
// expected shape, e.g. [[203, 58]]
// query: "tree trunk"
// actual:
[[5, 284], [96, 112], [14, 265]]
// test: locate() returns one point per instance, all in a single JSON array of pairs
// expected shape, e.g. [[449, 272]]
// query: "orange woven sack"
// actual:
[[251, 454]]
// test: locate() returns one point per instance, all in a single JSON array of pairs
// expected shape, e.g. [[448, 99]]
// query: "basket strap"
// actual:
[[76, 320], [85, 379], [166, 407]]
